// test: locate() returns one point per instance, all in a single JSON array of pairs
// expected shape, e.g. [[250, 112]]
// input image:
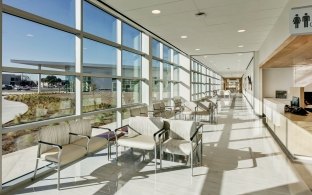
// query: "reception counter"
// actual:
[[293, 131]]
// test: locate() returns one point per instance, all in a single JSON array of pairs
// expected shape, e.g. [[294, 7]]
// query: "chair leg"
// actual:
[[116, 151], [155, 159], [36, 167], [58, 175], [192, 162]]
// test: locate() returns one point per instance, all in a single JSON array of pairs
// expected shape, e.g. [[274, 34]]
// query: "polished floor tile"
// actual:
[[239, 157]]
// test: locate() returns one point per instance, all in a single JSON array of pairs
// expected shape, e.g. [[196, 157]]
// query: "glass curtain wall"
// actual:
[[165, 72], [204, 81], [47, 66]]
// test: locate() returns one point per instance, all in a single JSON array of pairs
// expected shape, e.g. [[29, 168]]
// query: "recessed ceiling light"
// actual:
[[240, 54], [156, 11], [197, 49], [205, 56], [29, 35], [183, 37], [240, 46], [241, 30]]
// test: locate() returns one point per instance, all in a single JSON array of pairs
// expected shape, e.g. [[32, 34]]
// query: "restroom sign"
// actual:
[[300, 20]]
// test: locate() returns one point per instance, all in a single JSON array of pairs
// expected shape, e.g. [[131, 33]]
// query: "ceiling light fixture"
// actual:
[[241, 30], [240, 46], [240, 54], [197, 49], [183, 37], [156, 11]]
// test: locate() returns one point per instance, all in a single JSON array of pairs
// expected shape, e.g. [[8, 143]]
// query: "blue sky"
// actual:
[[26, 40]]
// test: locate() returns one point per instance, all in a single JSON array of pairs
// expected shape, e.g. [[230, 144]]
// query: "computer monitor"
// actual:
[[294, 102]]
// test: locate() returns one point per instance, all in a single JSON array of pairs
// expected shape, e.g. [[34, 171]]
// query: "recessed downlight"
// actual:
[[156, 11], [240, 54], [183, 37], [241, 30], [240, 46], [197, 49]]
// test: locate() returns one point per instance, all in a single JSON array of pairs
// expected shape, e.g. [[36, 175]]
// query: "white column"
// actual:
[[1, 94], [39, 80], [119, 73], [79, 57]]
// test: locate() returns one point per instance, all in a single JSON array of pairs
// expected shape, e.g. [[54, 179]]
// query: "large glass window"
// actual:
[[166, 53], [25, 104], [156, 69], [131, 64], [99, 58], [166, 90], [131, 91], [98, 94], [156, 48], [99, 23], [156, 90], [167, 72], [175, 73], [176, 57], [58, 10], [30, 45], [131, 37]]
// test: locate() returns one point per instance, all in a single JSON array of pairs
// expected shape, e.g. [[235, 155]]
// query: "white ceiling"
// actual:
[[214, 33]]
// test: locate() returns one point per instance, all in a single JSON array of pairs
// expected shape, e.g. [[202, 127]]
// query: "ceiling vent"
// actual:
[[200, 14]]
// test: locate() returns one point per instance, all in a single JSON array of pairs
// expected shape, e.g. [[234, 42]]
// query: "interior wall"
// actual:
[[184, 75], [277, 79], [280, 31]]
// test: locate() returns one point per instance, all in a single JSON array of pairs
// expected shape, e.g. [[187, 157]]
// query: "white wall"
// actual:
[[280, 31], [184, 77], [277, 79]]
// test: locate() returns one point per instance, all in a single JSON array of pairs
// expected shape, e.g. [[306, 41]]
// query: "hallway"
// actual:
[[240, 157]]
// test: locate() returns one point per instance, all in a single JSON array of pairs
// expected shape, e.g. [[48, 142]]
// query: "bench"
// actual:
[[66, 143]]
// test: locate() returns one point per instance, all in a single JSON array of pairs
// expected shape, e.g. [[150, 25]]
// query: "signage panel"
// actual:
[[300, 20]]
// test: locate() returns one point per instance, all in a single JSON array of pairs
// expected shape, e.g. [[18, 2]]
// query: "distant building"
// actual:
[[11, 79]]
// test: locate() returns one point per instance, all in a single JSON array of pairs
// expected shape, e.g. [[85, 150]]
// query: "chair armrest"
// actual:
[[51, 144], [80, 135], [104, 128], [121, 127], [195, 133], [162, 133], [159, 131]]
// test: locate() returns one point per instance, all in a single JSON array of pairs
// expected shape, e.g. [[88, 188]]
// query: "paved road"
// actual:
[[10, 109]]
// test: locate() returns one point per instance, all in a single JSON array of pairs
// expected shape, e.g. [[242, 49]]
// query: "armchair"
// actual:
[[184, 139], [142, 134]]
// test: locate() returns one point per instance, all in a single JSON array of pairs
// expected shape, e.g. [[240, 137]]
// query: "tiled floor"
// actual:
[[240, 157]]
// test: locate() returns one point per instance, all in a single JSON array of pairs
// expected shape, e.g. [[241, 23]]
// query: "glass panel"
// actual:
[[156, 91], [131, 91], [175, 73], [176, 57], [131, 64], [30, 45], [131, 37], [176, 89], [98, 94], [167, 90], [156, 69], [99, 23], [166, 53], [125, 115], [19, 152], [167, 72], [106, 119], [156, 48], [58, 10], [23, 104], [99, 58]]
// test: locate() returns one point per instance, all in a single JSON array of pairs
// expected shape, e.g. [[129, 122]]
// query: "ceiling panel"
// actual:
[[214, 33]]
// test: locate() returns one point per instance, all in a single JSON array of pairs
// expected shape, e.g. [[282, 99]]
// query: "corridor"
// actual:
[[240, 157]]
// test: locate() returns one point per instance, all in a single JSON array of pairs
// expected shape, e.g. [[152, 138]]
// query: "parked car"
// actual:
[[23, 88], [7, 87]]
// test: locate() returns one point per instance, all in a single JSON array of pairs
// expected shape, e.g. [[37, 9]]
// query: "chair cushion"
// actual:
[[137, 141], [96, 143], [180, 129], [145, 125], [80, 126], [70, 153], [57, 134], [180, 147]]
